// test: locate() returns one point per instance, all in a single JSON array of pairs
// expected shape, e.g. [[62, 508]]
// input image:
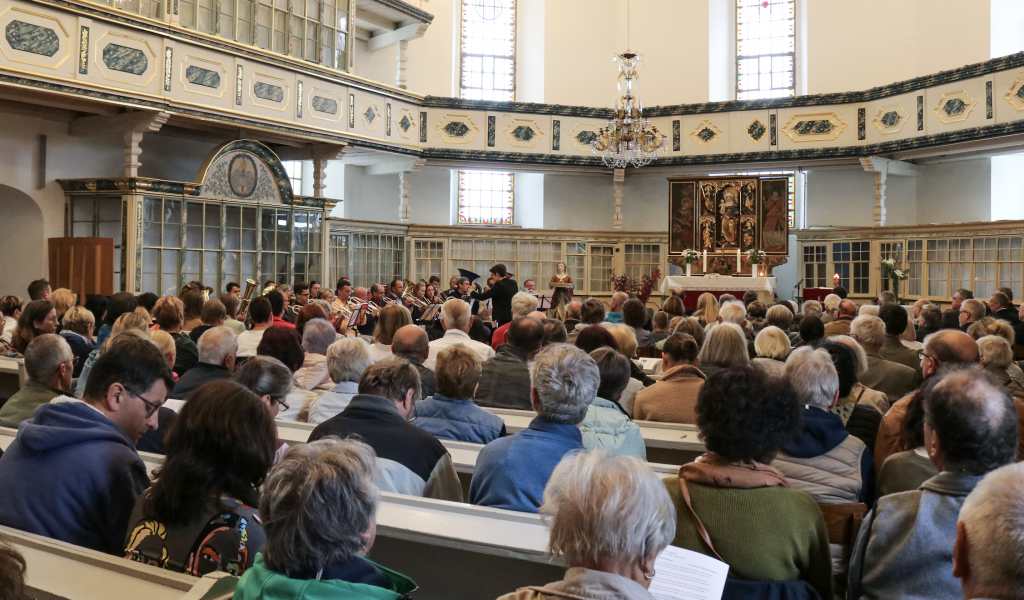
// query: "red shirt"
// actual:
[[499, 336], [279, 322]]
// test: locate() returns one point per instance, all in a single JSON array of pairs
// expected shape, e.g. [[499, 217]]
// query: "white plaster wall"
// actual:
[[376, 197], [24, 242], [846, 198], [172, 158], [955, 192], [528, 206], [433, 58], [578, 202]]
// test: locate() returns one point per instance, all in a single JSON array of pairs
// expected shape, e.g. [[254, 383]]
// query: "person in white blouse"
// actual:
[[346, 361], [455, 319], [391, 318], [262, 319]]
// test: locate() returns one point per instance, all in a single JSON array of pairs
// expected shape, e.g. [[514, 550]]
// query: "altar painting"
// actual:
[[681, 215]]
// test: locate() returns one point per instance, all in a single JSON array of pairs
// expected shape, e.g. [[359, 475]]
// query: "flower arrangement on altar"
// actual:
[[756, 256], [895, 273], [642, 288], [690, 257]]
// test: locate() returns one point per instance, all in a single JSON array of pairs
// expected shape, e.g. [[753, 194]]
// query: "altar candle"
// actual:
[[738, 262], [705, 261]]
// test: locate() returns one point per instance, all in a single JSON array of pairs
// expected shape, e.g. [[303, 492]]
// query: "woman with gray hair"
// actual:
[[997, 359], [772, 346], [313, 376], [724, 346], [610, 517], [271, 380], [346, 360], [319, 508], [607, 426]]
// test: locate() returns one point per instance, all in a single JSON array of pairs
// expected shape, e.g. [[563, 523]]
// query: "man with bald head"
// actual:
[[846, 312], [505, 378], [615, 313], [412, 345], [947, 348], [572, 314]]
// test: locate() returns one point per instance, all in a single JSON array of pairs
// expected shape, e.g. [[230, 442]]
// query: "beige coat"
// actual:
[[584, 584], [840, 327], [312, 379], [673, 399], [893, 350]]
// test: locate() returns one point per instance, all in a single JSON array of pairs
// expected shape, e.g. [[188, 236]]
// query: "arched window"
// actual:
[[765, 49], [488, 73]]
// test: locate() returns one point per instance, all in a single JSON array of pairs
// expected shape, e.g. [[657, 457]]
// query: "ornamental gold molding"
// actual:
[[523, 133], [814, 127], [446, 128], [954, 107], [580, 130], [260, 102], [706, 134], [5, 20], [883, 120], [371, 105], [1015, 95], [104, 69], [194, 88], [406, 132]]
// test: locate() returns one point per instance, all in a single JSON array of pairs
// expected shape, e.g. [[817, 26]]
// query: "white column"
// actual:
[[132, 139], [319, 177], [879, 211], [402, 58], [403, 190], [619, 179]]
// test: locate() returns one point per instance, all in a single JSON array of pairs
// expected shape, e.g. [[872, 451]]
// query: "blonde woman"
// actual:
[[63, 299], [164, 341], [625, 337], [79, 324], [707, 309], [772, 346], [392, 318], [724, 346]]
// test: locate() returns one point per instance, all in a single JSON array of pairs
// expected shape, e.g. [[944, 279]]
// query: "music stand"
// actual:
[[430, 313], [356, 316], [543, 302]]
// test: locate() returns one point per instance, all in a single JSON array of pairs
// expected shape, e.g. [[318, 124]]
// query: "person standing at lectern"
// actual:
[[500, 294]]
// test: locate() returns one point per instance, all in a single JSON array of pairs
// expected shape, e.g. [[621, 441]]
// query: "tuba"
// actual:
[[250, 287]]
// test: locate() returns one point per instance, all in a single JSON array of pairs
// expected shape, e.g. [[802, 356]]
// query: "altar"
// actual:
[[718, 285]]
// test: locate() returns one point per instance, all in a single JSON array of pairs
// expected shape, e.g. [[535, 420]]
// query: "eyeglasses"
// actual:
[[922, 354], [150, 407], [284, 405]]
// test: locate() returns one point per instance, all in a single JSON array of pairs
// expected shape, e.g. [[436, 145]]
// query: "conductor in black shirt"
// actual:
[[500, 294]]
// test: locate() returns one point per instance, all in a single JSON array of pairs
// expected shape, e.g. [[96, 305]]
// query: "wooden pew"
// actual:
[[12, 376]]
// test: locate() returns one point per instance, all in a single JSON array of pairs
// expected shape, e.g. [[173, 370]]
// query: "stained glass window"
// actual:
[[488, 49], [488, 73], [765, 49], [485, 197]]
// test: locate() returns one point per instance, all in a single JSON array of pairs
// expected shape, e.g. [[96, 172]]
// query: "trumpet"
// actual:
[[371, 307], [339, 308], [407, 295]]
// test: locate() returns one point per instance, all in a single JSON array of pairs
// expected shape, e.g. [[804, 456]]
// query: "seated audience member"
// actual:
[[456, 320], [12, 572], [592, 338], [609, 518], [145, 301], [840, 291], [411, 344], [634, 314], [687, 325], [591, 313], [572, 315], [314, 376], [930, 321], [271, 381], [63, 299], [988, 547], [660, 323], [169, 316], [724, 347], [859, 408], [951, 317], [615, 312], [48, 365], [997, 360], [824, 460], [781, 317], [11, 307], [1002, 308], [749, 296], [892, 379], [216, 361], [896, 320], [830, 303], [554, 332], [971, 311], [673, 398], [200, 514], [79, 455], [390, 319], [905, 546], [845, 313], [757, 313], [745, 416], [725, 299], [868, 309], [991, 326], [451, 413], [284, 344], [347, 359], [262, 320], [907, 470], [231, 304], [277, 304], [319, 507], [811, 331], [214, 315], [674, 306], [192, 300], [308, 312], [120, 303], [77, 332], [942, 349], [39, 290], [607, 426], [772, 347], [39, 317], [410, 460], [511, 472], [165, 343], [626, 342], [918, 305], [126, 322], [522, 305], [505, 378], [811, 308], [887, 297], [707, 309]]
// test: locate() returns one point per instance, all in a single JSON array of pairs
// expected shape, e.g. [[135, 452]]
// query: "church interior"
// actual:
[[828, 179]]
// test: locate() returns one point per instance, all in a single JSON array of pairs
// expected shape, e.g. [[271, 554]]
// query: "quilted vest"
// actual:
[[830, 478]]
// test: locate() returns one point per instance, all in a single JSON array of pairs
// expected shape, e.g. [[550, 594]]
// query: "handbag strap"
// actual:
[[696, 520]]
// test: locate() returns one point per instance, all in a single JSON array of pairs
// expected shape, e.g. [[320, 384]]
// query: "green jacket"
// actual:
[[261, 583], [22, 405]]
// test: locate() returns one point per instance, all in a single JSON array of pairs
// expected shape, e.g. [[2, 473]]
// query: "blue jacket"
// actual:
[[72, 475], [511, 472], [459, 420], [103, 334], [613, 317], [607, 427], [80, 348]]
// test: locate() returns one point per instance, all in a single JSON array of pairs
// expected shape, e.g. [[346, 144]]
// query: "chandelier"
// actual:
[[629, 139]]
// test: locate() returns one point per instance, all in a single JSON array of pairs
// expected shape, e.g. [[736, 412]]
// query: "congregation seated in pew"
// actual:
[[606, 426], [451, 413]]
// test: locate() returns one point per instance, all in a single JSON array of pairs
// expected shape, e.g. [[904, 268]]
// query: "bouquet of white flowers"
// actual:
[[690, 257], [756, 256], [893, 272]]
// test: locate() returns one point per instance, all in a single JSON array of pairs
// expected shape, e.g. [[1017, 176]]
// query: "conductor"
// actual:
[[500, 294]]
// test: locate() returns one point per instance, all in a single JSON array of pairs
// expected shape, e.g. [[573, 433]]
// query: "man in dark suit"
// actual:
[[951, 318], [500, 294], [1002, 308]]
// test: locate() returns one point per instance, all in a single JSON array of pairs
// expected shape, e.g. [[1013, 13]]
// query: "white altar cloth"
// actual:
[[764, 286]]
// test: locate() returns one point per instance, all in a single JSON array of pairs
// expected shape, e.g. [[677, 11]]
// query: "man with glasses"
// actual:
[[971, 311], [301, 294], [73, 473], [951, 318]]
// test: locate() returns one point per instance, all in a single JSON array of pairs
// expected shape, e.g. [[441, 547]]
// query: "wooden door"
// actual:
[[84, 265]]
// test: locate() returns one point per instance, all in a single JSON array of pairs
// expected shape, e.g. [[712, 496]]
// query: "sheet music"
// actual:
[[682, 574]]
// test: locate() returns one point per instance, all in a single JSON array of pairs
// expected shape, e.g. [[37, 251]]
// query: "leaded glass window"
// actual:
[[485, 197], [489, 49], [765, 49]]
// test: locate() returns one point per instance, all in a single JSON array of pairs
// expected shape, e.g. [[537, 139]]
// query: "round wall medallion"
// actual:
[[242, 175]]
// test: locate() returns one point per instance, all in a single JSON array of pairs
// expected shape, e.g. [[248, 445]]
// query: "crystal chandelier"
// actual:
[[629, 138]]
